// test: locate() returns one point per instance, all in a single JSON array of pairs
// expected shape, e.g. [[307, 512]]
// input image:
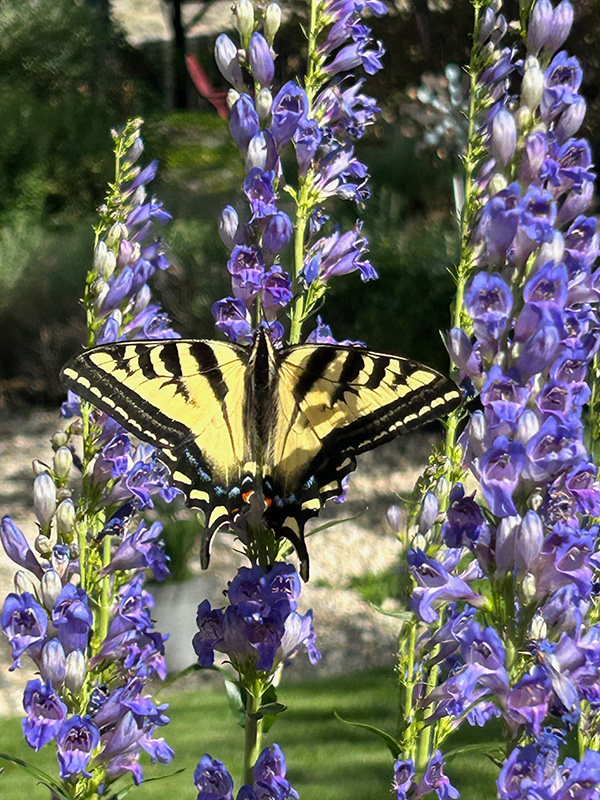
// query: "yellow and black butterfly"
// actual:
[[245, 426]]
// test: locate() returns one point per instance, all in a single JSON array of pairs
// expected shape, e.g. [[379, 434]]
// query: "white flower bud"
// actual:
[[100, 290], [527, 426], [76, 427], [24, 583], [272, 22], [523, 117], [63, 461], [497, 183], [44, 498], [65, 517], [504, 136], [232, 97], [75, 671], [532, 87], [428, 513], [100, 253], [528, 587], [110, 262], [51, 588], [116, 232], [59, 439], [53, 662], [264, 101], [39, 467], [393, 517], [419, 542], [551, 251], [243, 13], [43, 545], [142, 299], [539, 629]]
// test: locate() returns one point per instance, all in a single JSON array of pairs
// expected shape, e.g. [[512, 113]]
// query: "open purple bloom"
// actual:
[[464, 521], [488, 300], [45, 711], [77, 739], [24, 623], [404, 773], [72, 618], [210, 633], [434, 779], [289, 110], [233, 318], [212, 780], [141, 549], [434, 584], [562, 81], [501, 468]]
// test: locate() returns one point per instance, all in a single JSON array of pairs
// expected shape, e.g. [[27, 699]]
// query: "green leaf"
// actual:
[[235, 699], [43, 777], [126, 789], [474, 748], [391, 743], [269, 708], [334, 523]]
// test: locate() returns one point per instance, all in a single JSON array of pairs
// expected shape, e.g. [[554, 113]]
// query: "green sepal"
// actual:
[[392, 744], [46, 780]]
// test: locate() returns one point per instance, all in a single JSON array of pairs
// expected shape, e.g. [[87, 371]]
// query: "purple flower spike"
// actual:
[[212, 780], [243, 121], [77, 739], [72, 618], [261, 62], [17, 549], [288, 111], [24, 623], [45, 711], [501, 468]]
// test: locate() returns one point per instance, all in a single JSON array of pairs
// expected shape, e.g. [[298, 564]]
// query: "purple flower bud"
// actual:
[[277, 233], [539, 25], [528, 542], [260, 59], [44, 498], [230, 229], [226, 56], [53, 663], [570, 119], [119, 289], [428, 513], [16, 547], [243, 121], [562, 21], [77, 738], [460, 348], [289, 109], [504, 136], [110, 331], [488, 21], [212, 780], [505, 544], [45, 711]]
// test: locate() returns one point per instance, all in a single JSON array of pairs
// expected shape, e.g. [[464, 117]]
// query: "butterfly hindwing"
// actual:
[[186, 397], [339, 402]]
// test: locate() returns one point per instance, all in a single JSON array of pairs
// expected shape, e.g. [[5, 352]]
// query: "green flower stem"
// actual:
[[407, 681], [252, 733], [105, 594]]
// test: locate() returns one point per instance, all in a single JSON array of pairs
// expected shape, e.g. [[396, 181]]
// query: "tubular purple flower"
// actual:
[[210, 633], [53, 663], [501, 468], [307, 139], [276, 292], [16, 547], [562, 21], [233, 319], [260, 59], [139, 550], [77, 739], [489, 301], [243, 121], [212, 780], [539, 26], [571, 119], [231, 230], [277, 233], [563, 79], [226, 56], [45, 711], [72, 618], [24, 623], [289, 110], [404, 773]]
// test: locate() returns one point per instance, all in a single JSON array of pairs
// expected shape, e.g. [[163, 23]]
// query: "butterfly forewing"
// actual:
[[184, 396]]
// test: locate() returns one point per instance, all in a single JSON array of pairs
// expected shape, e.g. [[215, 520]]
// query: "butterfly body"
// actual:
[[255, 430]]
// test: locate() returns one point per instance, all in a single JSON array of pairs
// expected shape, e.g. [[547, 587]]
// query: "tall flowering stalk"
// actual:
[[79, 611], [281, 260], [505, 618]]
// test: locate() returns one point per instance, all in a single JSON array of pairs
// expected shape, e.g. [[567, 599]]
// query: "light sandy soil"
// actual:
[[350, 634]]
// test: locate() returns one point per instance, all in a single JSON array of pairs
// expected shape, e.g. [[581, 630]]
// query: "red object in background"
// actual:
[[217, 97]]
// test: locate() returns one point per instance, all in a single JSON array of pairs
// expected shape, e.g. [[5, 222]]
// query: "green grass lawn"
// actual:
[[327, 760]]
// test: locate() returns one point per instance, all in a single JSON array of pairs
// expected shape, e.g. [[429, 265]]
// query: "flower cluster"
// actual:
[[318, 122], [433, 780], [214, 782], [261, 627], [526, 330], [79, 610]]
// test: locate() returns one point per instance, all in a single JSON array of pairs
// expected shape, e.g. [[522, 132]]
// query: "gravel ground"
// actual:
[[351, 634]]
